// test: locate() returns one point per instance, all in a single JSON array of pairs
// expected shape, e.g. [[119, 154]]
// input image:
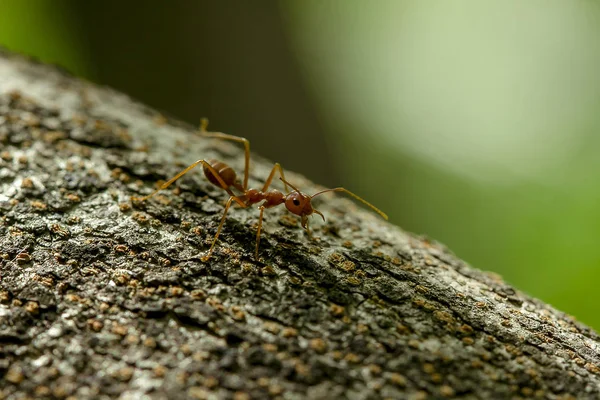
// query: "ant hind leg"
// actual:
[[225, 136], [170, 181]]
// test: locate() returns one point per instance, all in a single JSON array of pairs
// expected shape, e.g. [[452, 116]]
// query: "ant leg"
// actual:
[[276, 167], [341, 189], [212, 246], [170, 181], [185, 171], [225, 136], [260, 220]]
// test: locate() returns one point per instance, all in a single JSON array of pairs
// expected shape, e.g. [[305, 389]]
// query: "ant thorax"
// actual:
[[271, 198]]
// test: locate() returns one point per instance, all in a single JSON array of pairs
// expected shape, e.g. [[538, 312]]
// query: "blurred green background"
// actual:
[[474, 122]]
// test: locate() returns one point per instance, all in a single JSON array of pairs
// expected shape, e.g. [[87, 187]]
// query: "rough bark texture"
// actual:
[[102, 298]]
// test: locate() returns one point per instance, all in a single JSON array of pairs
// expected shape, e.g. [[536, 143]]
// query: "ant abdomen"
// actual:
[[226, 173]]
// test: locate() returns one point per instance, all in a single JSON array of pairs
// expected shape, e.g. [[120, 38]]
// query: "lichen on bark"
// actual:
[[103, 298]]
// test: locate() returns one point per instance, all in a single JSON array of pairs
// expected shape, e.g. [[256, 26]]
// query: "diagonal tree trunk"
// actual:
[[101, 298]]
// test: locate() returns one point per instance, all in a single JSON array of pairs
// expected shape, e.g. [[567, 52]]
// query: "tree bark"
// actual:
[[103, 298]]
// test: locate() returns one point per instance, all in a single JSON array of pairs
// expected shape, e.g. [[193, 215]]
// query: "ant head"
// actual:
[[299, 203]]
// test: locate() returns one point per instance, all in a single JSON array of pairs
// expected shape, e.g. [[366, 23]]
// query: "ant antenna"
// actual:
[[341, 189], [289, 184]]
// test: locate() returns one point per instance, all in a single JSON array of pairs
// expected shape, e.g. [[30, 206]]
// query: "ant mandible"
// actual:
[[220, 174]]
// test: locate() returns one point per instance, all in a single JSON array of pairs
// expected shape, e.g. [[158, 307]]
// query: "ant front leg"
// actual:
[[276, 167], [308, 230]]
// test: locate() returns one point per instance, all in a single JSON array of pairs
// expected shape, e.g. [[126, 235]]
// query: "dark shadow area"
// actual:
[[227, 60]]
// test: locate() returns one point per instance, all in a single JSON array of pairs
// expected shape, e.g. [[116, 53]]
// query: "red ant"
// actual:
[[223, 176]]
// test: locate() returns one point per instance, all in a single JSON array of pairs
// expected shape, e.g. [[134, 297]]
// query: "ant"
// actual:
[[223, 176]]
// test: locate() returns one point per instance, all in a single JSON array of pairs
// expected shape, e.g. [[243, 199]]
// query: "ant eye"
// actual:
[[296, 202]]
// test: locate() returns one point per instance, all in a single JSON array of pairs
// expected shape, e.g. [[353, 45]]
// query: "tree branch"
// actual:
[[103, 298]]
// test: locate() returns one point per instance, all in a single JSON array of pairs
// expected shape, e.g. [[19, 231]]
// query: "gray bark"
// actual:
[[102, 298]]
